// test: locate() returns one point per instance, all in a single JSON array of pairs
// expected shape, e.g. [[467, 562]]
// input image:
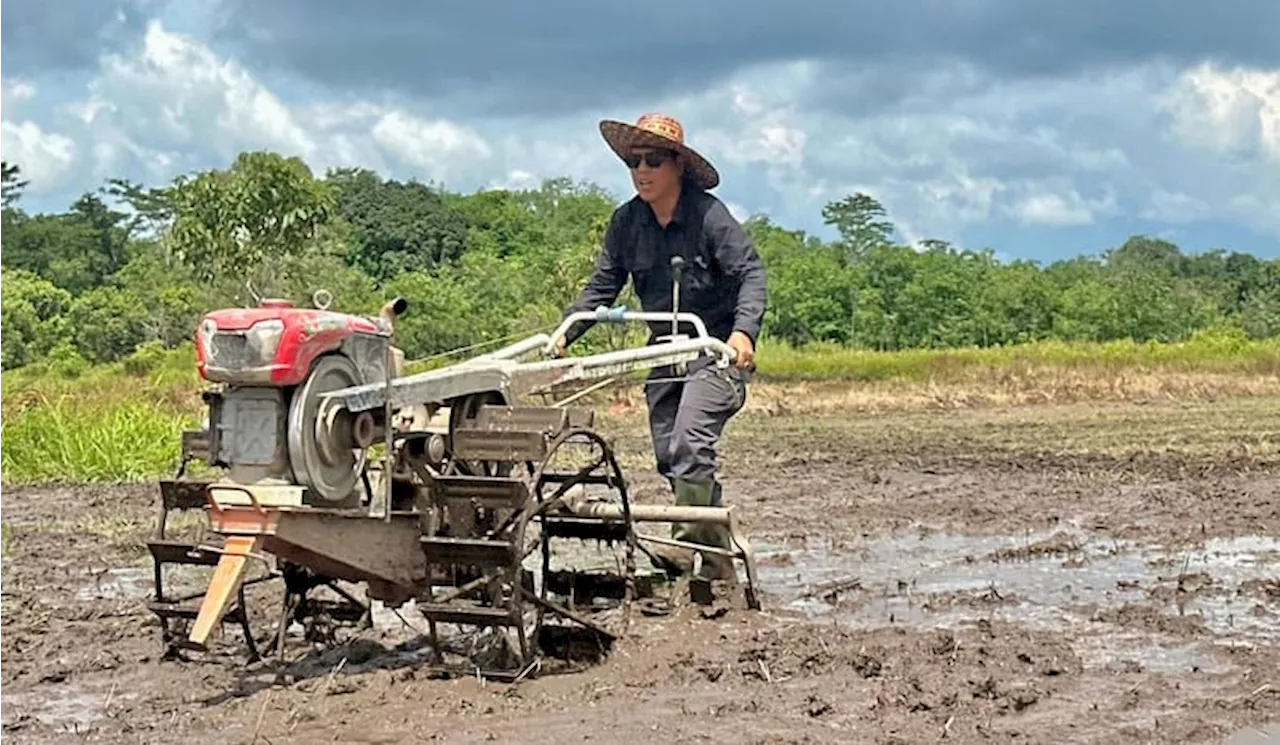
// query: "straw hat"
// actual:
[[659, 131]]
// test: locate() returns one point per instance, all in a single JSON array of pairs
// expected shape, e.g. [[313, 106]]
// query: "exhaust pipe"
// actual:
[[393, 310]]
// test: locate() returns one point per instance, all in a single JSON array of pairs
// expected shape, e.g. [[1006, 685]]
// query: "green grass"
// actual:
[[66, 439], [1206, 352], [123, 422], [110, 423]]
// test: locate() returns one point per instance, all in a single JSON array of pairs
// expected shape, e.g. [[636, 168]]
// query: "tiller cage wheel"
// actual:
[[493, 514], [593, 601]]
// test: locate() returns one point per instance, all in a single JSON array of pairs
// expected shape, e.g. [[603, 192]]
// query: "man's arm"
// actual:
[[738, 258], [605, 283]]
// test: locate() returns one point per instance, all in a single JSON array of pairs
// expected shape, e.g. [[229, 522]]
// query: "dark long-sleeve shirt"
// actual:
[[723, 279]]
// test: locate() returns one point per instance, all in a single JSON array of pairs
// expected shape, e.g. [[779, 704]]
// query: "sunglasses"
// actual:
[[653, 158]]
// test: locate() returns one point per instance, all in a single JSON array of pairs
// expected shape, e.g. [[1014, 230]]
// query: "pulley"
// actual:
[[331, 469]]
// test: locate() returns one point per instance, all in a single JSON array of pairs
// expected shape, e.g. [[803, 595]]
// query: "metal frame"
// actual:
[[664, 513], [178, 494], [502, 371], [393, 549]]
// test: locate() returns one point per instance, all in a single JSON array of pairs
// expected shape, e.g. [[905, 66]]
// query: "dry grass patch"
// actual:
[[1243, 427], [123, 423]]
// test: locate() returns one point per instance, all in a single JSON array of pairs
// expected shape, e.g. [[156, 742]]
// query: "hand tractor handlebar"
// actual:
[[724, 353]]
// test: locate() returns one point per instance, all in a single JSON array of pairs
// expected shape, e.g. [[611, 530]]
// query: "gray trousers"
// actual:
[[686, 418]]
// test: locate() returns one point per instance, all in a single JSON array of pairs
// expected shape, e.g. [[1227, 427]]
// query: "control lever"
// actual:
[[677, 271]]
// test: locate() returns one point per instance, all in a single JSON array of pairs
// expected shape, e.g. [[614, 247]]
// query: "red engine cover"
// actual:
[[274, 343]]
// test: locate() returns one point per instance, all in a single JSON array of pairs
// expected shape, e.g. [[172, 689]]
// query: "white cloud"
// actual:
[[1235, 110], [16, 91], [1227, 121], [426, 144], [752, 119], [177, 105], [945, 150], [739, 212], [981, 154], [957, 151], [1053, 209], [770, 140], [746, 102], [1176, 207], [176, 97], [47, 158], [939, 207], [516, 180]]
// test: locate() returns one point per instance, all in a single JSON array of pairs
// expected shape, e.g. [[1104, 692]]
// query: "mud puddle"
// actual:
[[1141, 602], [1267, 735], [74, 710], [119, 583], [138, 582]]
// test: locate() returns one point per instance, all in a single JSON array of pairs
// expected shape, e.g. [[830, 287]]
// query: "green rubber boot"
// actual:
[[679, 560]]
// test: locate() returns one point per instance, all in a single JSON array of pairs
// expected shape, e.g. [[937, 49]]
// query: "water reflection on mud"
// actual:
[[1140, 601]]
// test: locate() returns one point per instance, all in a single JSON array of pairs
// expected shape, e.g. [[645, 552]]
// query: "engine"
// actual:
[[272, 365]]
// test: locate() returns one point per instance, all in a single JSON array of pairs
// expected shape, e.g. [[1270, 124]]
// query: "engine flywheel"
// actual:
[[331, 473]]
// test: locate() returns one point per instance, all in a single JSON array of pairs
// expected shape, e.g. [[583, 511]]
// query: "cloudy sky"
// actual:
[[1040, 129]]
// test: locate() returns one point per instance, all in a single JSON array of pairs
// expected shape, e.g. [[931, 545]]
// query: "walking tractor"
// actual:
[[463, 490]]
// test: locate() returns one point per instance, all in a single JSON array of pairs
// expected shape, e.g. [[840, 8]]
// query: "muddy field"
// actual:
[[1082, 573]]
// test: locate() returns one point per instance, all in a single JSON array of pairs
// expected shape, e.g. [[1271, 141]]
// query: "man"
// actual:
[[723, 281]]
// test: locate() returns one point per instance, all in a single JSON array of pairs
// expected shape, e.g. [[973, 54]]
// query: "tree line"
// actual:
[[129, 266]]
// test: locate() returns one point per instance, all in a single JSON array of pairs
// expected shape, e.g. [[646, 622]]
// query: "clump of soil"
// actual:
[[1150, 618], [896, 678], [1055, 545]]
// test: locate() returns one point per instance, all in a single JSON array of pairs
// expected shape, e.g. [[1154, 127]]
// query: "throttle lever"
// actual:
[[677, 271]]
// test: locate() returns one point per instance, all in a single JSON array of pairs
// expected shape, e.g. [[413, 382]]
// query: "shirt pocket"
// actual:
[[701, 284], [644, 265], [700, 273], [644, 257]]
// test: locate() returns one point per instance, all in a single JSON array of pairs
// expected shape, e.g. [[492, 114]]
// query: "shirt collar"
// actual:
[[684, 205]]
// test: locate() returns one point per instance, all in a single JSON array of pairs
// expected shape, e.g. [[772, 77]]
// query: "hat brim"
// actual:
[[623, 137]]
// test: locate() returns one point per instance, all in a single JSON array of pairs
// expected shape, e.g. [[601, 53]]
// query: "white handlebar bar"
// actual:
[[622, 315], [501, 370], [726, 354]]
